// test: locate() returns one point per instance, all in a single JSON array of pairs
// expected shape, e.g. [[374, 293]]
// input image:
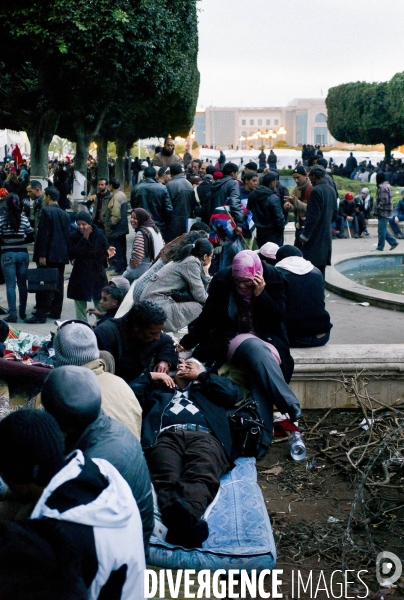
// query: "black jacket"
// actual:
[[211, 393], [227, 191], [204, 191], [88, 275], [153, 197], [215, 326], [183, 201], [52, 240], [133, 356], [347, 209], [266, 209], [316, 235]]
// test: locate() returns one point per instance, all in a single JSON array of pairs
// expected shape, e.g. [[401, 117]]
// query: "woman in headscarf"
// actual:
[[89, 253], [146, 246], [241, 323]]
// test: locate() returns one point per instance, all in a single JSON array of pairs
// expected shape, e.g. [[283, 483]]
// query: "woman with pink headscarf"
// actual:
[[241, 323]]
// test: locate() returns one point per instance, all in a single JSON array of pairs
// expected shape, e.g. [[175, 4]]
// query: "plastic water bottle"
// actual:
[[297, 447]]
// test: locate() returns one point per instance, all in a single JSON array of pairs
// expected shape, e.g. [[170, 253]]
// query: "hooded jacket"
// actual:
[[266, 208], [227, 191], [92, 493]]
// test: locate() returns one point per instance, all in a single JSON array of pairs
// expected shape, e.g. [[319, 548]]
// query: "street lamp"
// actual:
[[242, 139], [272, 136], [282, 131]]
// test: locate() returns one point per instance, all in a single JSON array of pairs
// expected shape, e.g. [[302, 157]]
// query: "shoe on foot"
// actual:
[[401, 236], [356, 236], [366, 232], [295, 412], [11, 319], [35, 319], [341, 236], [394, 246]]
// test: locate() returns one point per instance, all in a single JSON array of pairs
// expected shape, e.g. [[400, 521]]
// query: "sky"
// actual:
[[267, 52]]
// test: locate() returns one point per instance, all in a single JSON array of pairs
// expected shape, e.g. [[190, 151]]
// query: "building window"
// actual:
[[321, 118], [243, 122], [276, 122], [244, 133], [259, 121], [268, 122], [301, 128], [320, 136], [251, 121]]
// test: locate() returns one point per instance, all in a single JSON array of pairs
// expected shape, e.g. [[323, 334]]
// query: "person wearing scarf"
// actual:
[[241, 323], [307, 321], [146, 246], [298, 200]]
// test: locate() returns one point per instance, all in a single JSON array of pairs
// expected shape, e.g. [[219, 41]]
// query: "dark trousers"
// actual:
[[119, 261], [265, 235], [51, 301], [186, 465], [267, 384]]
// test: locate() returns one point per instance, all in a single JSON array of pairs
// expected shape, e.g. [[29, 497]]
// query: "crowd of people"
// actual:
[[136, 402]]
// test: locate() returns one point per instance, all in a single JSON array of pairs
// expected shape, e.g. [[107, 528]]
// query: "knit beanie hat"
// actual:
[[73, 396], [287, 250], [84, 216], [299, 169], [31, 447], [75, 344]]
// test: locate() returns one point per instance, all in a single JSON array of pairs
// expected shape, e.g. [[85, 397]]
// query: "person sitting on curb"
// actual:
[[187, 441], [85, 500], [364, 204], [398, 217], [306, 319], [348, 211], [72, 395]]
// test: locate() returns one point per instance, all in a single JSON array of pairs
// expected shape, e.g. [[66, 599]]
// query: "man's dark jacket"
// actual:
[[316, 235], [153, 197], [212, 394], [52, 240], [218, 324], [347, 209], [266, 209], [183, 200], [132, 356], [227, 191]]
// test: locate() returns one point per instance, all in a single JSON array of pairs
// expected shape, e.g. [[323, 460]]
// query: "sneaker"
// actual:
[[35, 319], [394, 246], [366, 232], [11, 319]]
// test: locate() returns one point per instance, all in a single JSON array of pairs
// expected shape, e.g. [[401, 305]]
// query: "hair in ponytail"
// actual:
[[13, 211], [199, 248]]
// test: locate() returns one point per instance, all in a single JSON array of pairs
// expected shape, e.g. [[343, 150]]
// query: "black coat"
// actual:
[[266, 209], [88, 275], [131, 355], [215, 327], [153, 197], [183, 200], [212, 394], [52, 240], [316, 235], [227, 191]]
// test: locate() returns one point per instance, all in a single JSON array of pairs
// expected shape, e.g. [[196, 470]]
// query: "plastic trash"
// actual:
[[297, 447]]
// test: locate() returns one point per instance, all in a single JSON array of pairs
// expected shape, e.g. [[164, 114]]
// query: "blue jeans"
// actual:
[[384, 235], [15, 267], [309, 341], [394, 225]]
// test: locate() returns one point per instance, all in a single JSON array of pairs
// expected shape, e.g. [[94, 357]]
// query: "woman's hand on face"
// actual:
[[111, 251], [259, 284]]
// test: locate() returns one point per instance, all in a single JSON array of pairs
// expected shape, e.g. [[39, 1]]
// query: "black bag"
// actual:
[[42, 280], [249, 433]]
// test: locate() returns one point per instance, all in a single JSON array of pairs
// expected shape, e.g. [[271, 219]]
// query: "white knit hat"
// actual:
[[75, 344]]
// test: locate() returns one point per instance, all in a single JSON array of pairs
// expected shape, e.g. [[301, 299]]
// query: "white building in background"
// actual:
[[8, 137], [303, 119]]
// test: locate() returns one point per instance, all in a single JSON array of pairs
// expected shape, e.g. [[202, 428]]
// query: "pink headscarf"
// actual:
[[246, 264]]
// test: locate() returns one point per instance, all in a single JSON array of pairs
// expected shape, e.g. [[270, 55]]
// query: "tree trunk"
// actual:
[[387, 152], [102, 158], [82, 144], [120, 161], [40, 135]]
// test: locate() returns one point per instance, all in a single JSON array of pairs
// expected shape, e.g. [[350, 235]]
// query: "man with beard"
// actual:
[[298, 200], [167, 156], [101, 203]]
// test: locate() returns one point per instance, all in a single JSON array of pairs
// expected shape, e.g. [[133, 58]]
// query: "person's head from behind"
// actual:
[[111, 298], [31, 452], [230, 169], [250, 166], [121, 283], [13, 207], [173, 250], [72, 395], [380, 178], [146, 321], [200, 226], [210, 169], [201, 249], [51, 194], [287, 251], [317, 173], [267, 253], [250, 181], [150, 172], [269, 180], [176, 169], [164, 174], [114, 184]]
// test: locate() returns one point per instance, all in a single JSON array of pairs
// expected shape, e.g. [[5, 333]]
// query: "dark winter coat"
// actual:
[[132, 356], [266, 209], [212, 394], [215, 326], [88, 275], [53, 235], [316, 235], [347, 209], [183, 201], [227, 191], [153, 197]]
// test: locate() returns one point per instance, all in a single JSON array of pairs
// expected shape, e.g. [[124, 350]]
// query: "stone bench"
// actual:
[[318, 374]]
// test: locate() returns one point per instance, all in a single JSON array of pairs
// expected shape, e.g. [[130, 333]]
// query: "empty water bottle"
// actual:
[[297, 447]]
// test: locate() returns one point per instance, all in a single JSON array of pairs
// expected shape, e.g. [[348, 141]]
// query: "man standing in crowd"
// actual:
[[167, 156], [298, 199], [183, 202], [34, 191], [51, 251], [116, 225], [316, 236], [267, 211], [164, 175], [384, 212], [153, 197], [227, 191], [101, 203]]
